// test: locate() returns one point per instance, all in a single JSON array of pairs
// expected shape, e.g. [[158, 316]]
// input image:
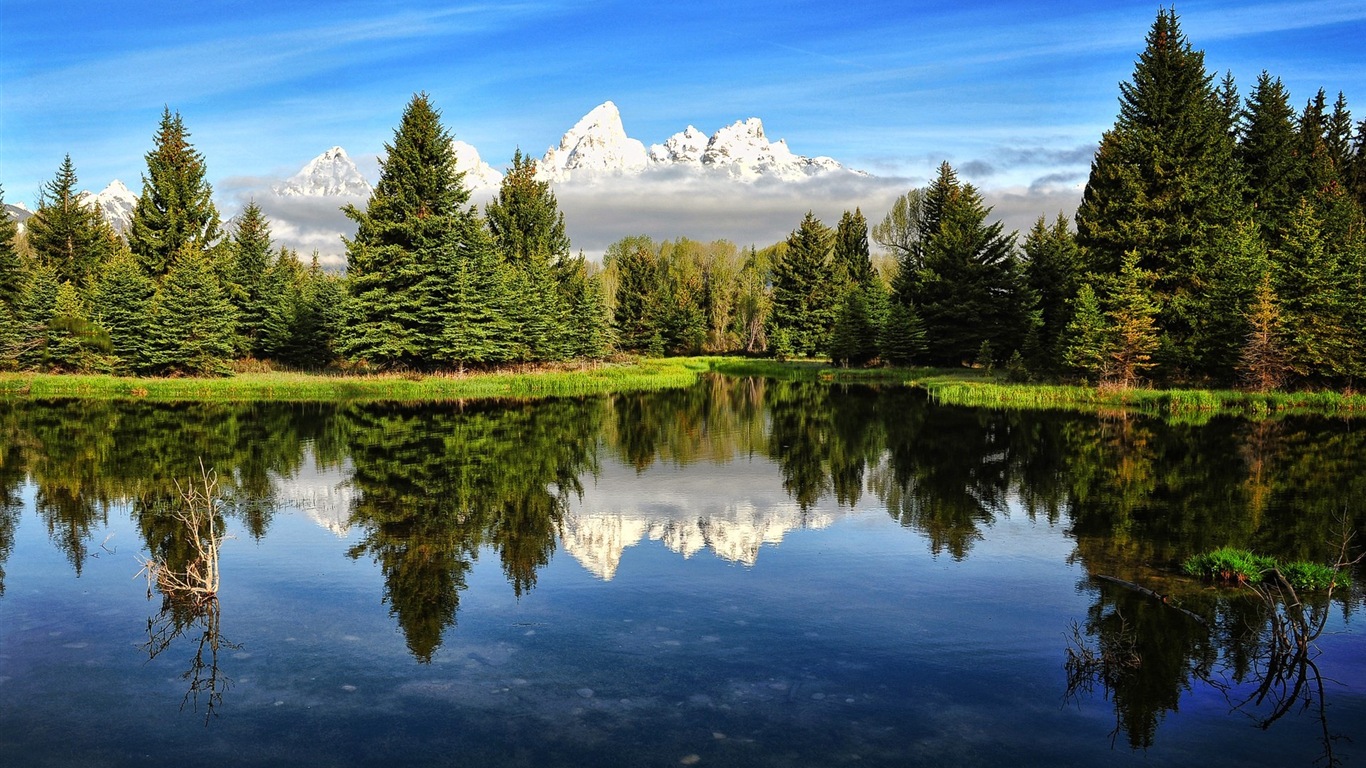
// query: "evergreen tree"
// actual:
[[525, 219], [1163, 182], [175, 213], [1267, 150], [637, 294], [12, 269], [804, 291], [478, 305], [192, 320], [1088, 341], [1338, 137], [68, 233], [251, 258], [1263, 364], [853, 265], [1314, 303], [1052, 272], [589, 332], [902, 339], [393, 264], [121, 303], [35, 311], [1131, 318], [74, 344], [968, 289], [854, 338]]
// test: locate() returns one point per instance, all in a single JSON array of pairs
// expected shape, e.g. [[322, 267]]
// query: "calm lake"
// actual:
[[744, 573]]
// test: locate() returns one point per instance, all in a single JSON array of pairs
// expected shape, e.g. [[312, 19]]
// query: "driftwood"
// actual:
[[1159, 597]]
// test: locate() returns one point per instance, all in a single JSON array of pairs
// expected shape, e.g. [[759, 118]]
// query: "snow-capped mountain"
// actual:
[[479, 175], [115, 202], [598, 146], [330, 174], [19, 212]]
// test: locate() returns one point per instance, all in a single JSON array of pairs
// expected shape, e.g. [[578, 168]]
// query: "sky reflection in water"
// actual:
[[747, 573]]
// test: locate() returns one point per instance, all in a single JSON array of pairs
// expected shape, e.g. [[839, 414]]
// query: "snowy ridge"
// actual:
[[598, 146], [330, 174], [115, 203], [479, 175], [734, 534]]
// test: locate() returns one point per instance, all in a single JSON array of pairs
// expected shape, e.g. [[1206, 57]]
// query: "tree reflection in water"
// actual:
[[436, 486], [184, 534]]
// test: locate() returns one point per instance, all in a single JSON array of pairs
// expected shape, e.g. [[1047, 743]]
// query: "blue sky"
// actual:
[[1011, 92]]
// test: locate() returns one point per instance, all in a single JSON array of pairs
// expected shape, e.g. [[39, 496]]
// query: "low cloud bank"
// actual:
[[664, 205]]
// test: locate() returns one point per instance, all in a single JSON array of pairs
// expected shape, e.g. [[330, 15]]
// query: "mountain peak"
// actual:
[[479, 175], [596, 145], [331, 173], [115, 203]]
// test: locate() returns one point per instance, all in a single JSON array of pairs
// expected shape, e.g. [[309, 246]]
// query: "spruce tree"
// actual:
[[35, 311], [1131, 319], [1267, 149], [121, 302], [74, 343], [478, 304], [251, 258], [397, 264], [1089, 339], [12, 268], [68, 233], [902, 337], [1163, 181], [853, 264], [1052, 272], [637, 295], [1314, 299], [1263, 365], [175, 213], [192, 320], [969, 286], [805, 295]]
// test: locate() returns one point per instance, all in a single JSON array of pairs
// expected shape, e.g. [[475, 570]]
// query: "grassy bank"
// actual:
[[1184, 404], [638, 375]]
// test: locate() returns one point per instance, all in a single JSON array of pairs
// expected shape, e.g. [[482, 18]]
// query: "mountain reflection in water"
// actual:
[[724, 469]]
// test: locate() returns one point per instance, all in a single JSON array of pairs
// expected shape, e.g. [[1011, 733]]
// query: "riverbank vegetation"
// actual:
[[1220, 245], [1231, 565]]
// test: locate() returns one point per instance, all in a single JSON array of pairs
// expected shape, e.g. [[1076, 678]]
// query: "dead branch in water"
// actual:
[[1158, 596], [198, 581]]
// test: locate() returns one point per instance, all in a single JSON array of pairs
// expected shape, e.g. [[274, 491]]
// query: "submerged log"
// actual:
[[1158, 596]]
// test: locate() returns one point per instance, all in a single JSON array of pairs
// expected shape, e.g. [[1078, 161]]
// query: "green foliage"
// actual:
[[1263, 364], [902, 340], [74, 343], [247, 285], [804, 290], [121, 302], [1052, 272], [175, 213], [1088, 339], [1163, 184], [67, 233], [1131, 318], [193, 324], [637, 299], [968, 287], [1230, 564], [854, 339], [408, 241]]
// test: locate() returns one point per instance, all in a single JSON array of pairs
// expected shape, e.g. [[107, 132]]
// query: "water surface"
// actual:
[[745, 573]]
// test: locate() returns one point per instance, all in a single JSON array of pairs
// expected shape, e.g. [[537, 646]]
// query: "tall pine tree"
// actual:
[[1163, 182], [68, 233], [394, 263], [175, 213], [805, 293]]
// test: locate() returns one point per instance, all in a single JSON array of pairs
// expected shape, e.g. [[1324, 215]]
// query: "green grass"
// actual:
[[1240, 566], [972, 389], [637, 375]]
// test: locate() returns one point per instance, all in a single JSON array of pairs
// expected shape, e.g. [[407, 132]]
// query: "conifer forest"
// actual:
[[1220, 241]]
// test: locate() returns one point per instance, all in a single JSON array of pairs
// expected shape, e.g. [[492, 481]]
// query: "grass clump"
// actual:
[[1240, 566]]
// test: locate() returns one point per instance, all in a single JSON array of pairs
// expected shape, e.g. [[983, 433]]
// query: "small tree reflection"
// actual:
[[187, 578], [1266, 663]]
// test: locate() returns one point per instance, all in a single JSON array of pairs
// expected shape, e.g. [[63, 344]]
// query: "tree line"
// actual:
[[1219, 241]]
